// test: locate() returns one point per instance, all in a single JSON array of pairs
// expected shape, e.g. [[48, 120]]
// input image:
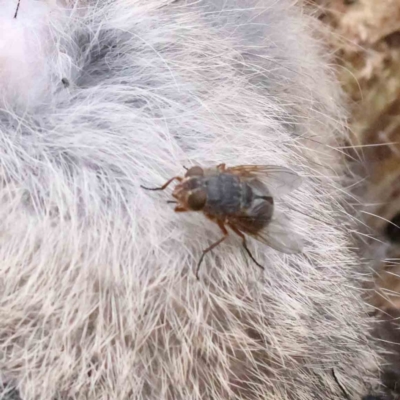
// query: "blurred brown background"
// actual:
[[364, 37]]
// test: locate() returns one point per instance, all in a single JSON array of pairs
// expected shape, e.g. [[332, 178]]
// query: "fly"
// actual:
[[241, 198]]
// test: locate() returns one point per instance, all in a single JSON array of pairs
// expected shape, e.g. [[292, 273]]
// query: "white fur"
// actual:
[[98, 294]]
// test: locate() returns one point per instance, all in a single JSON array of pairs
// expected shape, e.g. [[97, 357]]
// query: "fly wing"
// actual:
[[279, 236], [279, 180], [277, 233]]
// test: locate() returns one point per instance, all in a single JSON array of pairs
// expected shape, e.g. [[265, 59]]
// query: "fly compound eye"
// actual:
[[197, 200], [194, 171]]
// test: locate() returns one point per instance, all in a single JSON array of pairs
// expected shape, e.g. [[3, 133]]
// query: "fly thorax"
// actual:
[[223, 194]]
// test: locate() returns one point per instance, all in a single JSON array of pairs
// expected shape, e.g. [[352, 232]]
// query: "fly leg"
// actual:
[[177, 208], [240, 234], [226, 233], [178, 178]]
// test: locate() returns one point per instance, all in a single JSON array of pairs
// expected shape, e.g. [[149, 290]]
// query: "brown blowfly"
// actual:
[[241, 198]]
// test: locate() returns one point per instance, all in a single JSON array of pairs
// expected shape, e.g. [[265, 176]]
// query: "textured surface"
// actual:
[[98, 298]]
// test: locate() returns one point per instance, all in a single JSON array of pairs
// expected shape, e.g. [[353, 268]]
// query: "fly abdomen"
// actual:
[[223, 194], [247, 195], [257, 206]]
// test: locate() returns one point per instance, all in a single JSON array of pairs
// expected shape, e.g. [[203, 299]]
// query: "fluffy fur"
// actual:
[[98, 295]]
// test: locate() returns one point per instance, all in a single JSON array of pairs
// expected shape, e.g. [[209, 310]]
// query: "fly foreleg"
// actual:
[[213, 246], [180, 209], [177, 208], [178, 178]]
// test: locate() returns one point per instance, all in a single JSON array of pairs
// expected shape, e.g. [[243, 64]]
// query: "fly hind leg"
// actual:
[[240, 234], [213, 246]]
